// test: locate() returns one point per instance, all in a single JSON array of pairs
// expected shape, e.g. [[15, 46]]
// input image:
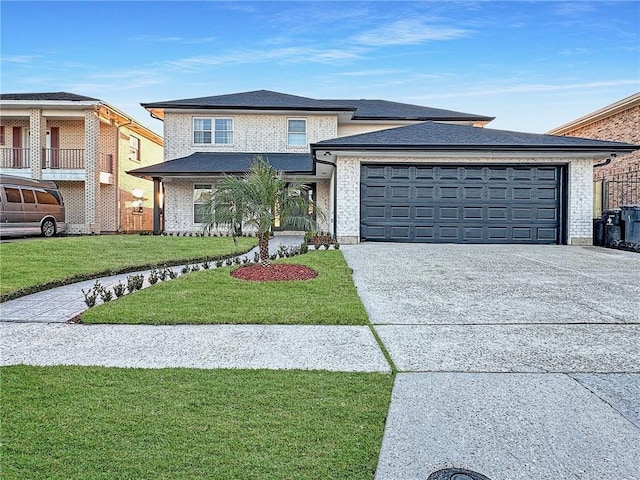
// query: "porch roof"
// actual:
[[218, 163]]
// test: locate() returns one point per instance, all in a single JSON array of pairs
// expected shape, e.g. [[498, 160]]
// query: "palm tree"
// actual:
[[255, 200]]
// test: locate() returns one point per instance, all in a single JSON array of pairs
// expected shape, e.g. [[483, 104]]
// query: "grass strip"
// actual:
[[39, 264], [103, 423], [215, 297]]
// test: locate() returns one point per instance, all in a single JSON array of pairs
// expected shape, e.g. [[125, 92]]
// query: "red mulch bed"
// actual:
[[280, 272]]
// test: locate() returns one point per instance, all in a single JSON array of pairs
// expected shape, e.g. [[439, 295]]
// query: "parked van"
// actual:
[[30, 207]]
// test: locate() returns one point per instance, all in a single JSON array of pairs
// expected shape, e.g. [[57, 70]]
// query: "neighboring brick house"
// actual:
[[383, 171], [85, 145], [617, 182]]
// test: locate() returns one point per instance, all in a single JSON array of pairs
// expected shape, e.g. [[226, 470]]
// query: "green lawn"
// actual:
[[29, 266], [104, 423], [214, 296]]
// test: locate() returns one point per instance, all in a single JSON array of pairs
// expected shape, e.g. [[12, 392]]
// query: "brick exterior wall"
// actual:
[[578, 211], [622, 126], [618, 183], [179, 203], [251, 133]]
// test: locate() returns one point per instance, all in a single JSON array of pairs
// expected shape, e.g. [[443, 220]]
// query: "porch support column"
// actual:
[[37, 141], [157, 206], [92, 172]]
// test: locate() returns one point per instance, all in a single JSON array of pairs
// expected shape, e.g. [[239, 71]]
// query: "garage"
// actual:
[[428, 203]]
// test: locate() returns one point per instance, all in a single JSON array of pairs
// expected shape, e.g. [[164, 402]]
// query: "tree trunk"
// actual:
[[263, 245]]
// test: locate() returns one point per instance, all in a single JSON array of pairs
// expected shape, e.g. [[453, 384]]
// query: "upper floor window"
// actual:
[[297, 132], [213, 131], [1, 134], [134, 148]]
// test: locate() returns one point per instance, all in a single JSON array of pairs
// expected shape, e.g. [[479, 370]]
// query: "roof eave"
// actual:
[[246, 107], [483, 148]]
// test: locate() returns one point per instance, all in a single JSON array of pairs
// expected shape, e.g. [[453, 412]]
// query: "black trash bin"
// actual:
[[598, 232], [630, 216], [612, 227]]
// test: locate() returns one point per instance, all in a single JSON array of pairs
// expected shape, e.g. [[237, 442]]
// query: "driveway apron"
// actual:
[[516, 362]]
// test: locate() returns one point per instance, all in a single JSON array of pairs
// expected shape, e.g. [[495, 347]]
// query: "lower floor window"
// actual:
[[202, 194]]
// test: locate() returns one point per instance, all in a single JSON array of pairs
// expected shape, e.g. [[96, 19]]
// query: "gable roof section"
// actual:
[[441, 136], [386, 110], [52, 96], [632, 101], [217, 163], [360, 109], [255, 100]]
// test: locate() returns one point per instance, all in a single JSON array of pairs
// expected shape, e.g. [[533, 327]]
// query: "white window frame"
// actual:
[[207, 186], [289, 133], [212, 131], [134, 150]]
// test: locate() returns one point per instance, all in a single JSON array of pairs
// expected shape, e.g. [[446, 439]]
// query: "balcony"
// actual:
[[67, 159], [17, 158]]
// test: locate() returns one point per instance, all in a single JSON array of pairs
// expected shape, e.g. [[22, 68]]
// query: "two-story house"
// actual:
[[85, 145], [383, 171]]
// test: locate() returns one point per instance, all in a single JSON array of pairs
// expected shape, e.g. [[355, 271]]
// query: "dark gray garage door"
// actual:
[[461, 204]]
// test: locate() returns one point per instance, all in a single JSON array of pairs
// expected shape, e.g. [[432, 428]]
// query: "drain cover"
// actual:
[[456, 474]]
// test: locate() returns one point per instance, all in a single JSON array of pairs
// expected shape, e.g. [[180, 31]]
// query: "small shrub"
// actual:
[[106, 295], [336, 246], [154, 276], [134, 282], [162, 274], [304, 248], [119, 289], [245, 260], [206, 265], [236, 261], [219, 263], [185, 269], [256, 257], [195, 268], [171, 273], [90, 296]]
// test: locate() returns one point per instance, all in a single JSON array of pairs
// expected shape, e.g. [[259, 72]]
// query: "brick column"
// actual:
[[37, 141], [92, 172], [348, 201], [580, 202]]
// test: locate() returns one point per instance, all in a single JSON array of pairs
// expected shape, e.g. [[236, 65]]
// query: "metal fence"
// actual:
[[614, 191]]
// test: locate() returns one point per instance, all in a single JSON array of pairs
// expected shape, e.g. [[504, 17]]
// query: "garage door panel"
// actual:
[[461, 204], [424, 213], [496, 193], [400, 213], [449, 233], [399, 192], [449, 192], [473, 213]]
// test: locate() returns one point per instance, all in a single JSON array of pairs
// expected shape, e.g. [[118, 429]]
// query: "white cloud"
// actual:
[[285, 55], [19, 58], [410, 31]]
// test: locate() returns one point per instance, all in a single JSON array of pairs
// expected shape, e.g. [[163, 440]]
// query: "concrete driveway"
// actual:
[[517, 362]]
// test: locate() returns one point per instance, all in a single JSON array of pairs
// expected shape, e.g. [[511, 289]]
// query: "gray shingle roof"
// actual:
[[437, 136], [216, 163], [258, 99], [384, 109], [55, 96], [363, 109]]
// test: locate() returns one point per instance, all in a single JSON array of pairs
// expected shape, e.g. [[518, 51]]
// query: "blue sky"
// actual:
[[533, 65]]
